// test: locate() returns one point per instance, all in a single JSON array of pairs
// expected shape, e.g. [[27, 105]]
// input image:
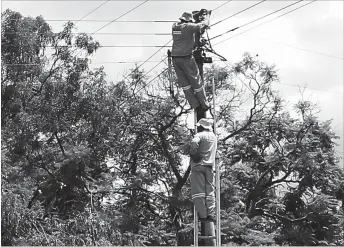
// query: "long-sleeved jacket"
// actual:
[[184, 38], [204, 144]]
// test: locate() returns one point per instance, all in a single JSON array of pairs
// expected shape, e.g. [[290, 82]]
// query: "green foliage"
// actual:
[[88, 162]]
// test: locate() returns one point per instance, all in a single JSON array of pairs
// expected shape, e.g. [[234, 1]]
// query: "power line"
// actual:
[[160, 49], [95, 20], [256, 20], [286, 84], [154, 67], [266, 22], [221, 5], [120, 16], [104, 46], [132, 9], [30, 33], [299, 48], [152, 56], [93, 11], [141, 77], [317, 89], [105, 62], [237, 13], [110, 62], [149, 58], [157, 76], [124, 62]]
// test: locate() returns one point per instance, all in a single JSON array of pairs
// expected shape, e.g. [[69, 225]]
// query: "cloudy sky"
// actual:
[[306, 45]]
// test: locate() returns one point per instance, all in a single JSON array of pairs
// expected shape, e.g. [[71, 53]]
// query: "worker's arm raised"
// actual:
[[192, 27]]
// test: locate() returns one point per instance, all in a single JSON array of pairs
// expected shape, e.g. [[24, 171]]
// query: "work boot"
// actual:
[[200, 113], [211, 218], [205, 106], [203, 219]]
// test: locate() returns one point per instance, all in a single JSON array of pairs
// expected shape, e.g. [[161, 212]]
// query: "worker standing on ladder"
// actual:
[[184, 63], [203, 153]]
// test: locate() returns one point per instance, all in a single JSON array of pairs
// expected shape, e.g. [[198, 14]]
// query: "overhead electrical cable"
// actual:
[[221, 5], [300, 48], [231, 30], [267, 21], [120, 16], [106, 62], [157, 75], [104, 46], [159, 50], [123, 21], [132, 9], [237, 13], [148, 59], [30, 33], [92, 11]]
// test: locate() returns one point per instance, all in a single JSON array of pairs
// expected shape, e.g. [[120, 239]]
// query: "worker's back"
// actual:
[[184, 38], [205, 143]]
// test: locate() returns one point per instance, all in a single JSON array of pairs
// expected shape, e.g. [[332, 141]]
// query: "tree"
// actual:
[[288, 170], [91, 162]]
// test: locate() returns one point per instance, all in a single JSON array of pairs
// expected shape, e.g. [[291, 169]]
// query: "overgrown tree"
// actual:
[[86, 161]]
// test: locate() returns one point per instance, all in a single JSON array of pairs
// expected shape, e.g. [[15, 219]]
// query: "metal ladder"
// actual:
[[217, 236], [217, 229]]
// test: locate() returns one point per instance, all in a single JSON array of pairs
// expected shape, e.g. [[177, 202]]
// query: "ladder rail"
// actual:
[[217, 175], [217, 183], [195, 212]]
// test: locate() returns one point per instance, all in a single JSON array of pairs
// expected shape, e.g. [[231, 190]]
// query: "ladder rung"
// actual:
[[207, 237], [201, 220]]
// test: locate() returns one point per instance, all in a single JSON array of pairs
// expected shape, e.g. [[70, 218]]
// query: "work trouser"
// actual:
[[189, 80], [203, 190]]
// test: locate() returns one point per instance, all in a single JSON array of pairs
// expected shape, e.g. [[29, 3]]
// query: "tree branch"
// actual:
[[60, 143]]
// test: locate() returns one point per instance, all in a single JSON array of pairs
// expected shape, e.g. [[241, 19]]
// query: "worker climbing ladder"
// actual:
[[210, 235]]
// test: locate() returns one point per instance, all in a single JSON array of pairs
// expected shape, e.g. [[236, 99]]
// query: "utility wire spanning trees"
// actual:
[[132, 9], [248, 22], [120, 16], [241, 25], [105, 62], [123, 21], [266, 23], [135, 70], [237, 13], [221, 5], [268, 20], [106, 46], [100, 33], [92, 11], [171, 39], [262, 17], [298, 48], [166, 45]]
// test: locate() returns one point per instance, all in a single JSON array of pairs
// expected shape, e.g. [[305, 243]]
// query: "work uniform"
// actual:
[[202, 173], [184, 63]]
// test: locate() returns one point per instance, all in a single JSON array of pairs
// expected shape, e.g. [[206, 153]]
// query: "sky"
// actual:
[[305, 45]]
